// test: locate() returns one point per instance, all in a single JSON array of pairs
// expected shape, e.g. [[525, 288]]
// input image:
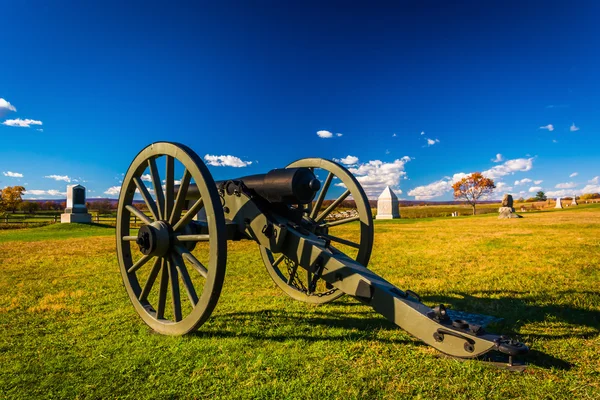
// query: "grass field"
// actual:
[[68, 330]]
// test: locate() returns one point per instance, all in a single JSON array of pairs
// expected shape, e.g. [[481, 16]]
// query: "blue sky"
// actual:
[[421, 92]]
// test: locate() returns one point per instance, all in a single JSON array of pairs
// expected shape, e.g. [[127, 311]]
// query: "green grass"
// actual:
[[55, 232], [68, 330]]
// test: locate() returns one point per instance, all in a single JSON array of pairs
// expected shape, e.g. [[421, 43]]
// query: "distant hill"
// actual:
[[91, 201]]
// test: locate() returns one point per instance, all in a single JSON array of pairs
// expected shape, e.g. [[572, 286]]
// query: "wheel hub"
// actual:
[[154, 239]]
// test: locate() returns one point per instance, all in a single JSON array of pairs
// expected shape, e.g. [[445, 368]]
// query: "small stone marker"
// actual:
[[76, 210], [558, 203], [507, 210], [387, 205], [574, 202]]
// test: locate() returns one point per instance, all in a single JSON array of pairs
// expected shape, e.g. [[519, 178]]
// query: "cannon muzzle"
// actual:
[[286, 185]]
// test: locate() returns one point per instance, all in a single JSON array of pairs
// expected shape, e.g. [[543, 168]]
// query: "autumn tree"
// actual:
[[103, 206], [29, 207], [11, 197], [472, 187]]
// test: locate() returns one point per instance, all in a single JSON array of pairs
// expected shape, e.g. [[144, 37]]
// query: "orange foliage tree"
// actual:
[[10, 197], [472, 187]]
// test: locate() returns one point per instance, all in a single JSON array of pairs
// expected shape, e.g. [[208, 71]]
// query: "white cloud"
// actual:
[[394, 135], [437, 188], [534, 189], [12, 174], [375, 175], [509, 167], [22, 123], [443, 186], [559, 193], [113, 190], [566, 185], [59, 177], [146, 178], [431, 142], [6, 106], [592, 187], [503, 187], [324, 134], [349, 160], [35, 192], [595, 188], [498, 158], [574, 128], [538, 182], [422, 133], [51, 192], [574, 174], [549, 127], [554, 141], [523, 181], [338, 134], [225, 161]]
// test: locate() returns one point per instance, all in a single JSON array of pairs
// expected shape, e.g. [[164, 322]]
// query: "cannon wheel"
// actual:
[[160, 259], [285, 273]]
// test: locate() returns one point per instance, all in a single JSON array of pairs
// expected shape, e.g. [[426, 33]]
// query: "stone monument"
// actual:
[[76, 210], [387, 205], [558, 203], [574, 202], [507, 210]]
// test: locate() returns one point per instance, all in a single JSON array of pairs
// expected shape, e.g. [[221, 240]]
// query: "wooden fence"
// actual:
[[53, 218]]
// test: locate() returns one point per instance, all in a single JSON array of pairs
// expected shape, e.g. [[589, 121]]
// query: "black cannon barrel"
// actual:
[[289, 185]]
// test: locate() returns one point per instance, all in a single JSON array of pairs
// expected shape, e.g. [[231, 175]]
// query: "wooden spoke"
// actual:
[[341, 221], [139, 264], [189, 215], [185, 253], [139, 214], [162, 293], [160, 196], [169, 186], [192, 238], [147, 198], [180, 200], [185, 278], [292, 274], [342, 241], [175, 297], [151, 279], [333, 205], [321, 197], [129, 238], [279, 259], [309, 280]]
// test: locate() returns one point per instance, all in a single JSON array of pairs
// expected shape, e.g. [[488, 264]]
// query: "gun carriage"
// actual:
[[182, 244]]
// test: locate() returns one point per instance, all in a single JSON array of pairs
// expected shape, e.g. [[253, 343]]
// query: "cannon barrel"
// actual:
[[289, 186]]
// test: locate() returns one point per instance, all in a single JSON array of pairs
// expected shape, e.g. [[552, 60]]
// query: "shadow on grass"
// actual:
[[259, 325], [521, 308], [517, 308]]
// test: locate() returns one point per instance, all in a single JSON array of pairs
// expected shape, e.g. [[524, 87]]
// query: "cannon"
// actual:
[[182, 244]]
